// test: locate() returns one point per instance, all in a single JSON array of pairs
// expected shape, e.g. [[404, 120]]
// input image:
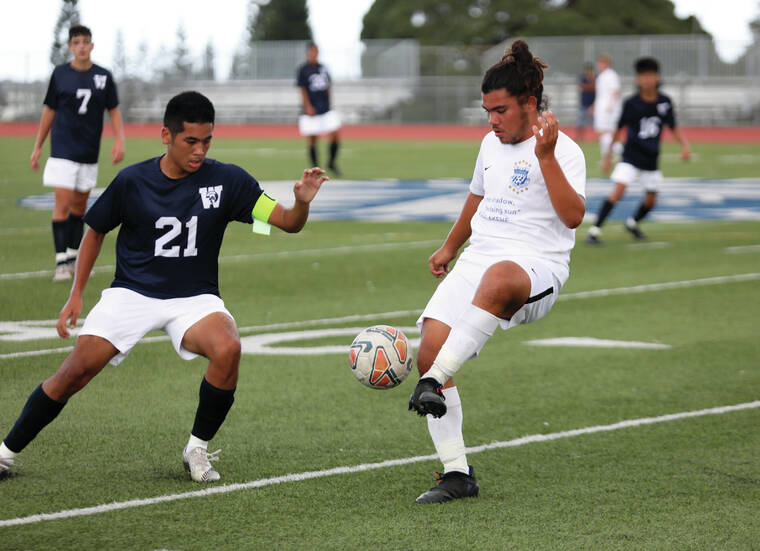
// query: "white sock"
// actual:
[[195, 442], [5, 453], [446, 433], [468, 336]]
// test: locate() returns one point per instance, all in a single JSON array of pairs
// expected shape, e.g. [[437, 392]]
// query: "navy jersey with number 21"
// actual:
[[172, 229]]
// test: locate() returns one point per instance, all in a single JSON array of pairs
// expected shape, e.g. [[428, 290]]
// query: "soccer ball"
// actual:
[[380, 357]]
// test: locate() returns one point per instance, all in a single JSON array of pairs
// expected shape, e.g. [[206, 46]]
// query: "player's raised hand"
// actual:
[[546, 131], [439, 261], [70, 311], [306, 189]]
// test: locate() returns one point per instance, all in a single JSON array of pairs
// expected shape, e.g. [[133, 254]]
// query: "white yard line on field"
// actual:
[[401, 313], [309, 475], [743, 249]]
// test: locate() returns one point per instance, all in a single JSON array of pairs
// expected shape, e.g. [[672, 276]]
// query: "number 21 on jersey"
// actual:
[[175, 229]]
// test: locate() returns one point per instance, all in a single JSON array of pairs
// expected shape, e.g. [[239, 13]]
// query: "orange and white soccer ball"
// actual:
[[380, 357]]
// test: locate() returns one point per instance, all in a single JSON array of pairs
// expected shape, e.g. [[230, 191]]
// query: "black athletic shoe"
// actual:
[[453, 485], [335, 170], [633, 228], [427, 398]]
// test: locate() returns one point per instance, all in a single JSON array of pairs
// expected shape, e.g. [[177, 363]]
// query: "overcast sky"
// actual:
[[27, 32]]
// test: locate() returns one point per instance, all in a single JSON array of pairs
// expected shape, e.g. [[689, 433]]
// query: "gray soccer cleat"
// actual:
[[198, 463], [6, 463], [62, 273]]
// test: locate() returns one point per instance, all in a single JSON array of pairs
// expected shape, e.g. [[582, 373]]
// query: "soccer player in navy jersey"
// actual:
[[644, 115], [76, 97], [317, 117], [173, 211]]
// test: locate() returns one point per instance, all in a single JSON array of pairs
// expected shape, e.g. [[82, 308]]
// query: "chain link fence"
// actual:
[[401, 81]]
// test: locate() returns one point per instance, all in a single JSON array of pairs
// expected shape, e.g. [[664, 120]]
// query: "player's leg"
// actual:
[[61, 210], [334, 145], [61, 175], [89, 357], [457, 479], [216, 337], [75, 226], [650, 180], [503, 290], [622, 175], [312, 141]]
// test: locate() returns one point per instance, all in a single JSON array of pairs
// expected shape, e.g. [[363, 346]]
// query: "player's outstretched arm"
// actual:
[[685, 151], [46, 122], [292, 220], [117, 152], [460, 232], [569, 206], [88, 253]]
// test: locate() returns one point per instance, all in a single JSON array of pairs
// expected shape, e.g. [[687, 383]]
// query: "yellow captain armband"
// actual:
[[261, 212]]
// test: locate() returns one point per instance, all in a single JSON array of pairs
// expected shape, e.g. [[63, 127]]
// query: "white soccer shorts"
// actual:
[[80, 177], [318, 124], [626, 173], [455, 293], [123, 317]]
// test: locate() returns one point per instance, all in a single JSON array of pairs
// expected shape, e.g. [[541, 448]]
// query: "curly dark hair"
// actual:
[[520, 73]]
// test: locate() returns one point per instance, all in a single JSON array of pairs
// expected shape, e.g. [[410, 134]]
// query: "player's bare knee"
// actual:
[[226, 351]]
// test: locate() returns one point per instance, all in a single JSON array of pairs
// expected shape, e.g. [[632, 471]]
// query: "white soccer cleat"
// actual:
[[62, 273], [197, 462]]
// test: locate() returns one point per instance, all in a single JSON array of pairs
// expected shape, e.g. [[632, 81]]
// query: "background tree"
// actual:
[[489, 22], [207, 69], [279, 20], [181, 67], [120, 64], [59, 51]]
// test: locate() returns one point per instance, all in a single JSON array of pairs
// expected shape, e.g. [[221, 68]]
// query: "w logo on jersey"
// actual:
[[211, 196], [100, 81]]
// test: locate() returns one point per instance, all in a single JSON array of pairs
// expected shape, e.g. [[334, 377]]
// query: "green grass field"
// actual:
[[685, 483]]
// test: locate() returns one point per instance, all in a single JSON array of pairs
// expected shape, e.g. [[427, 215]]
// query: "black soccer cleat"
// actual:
[[335, 170], [633, 228], [428, 398], [453, 485]]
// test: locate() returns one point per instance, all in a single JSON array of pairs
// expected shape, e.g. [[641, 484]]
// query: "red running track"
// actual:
[[723, 134]]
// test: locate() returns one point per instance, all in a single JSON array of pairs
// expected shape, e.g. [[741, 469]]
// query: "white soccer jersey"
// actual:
[[608, 101], [516, 217]]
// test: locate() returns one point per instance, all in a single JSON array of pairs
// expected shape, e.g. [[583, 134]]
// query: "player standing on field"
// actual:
[[317, 118], [607, 103], [76, 97], [644, 115], [173, 211], [526, 197]]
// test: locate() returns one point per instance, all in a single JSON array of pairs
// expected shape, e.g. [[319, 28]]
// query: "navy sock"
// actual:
[[313, 155], [333, 152], [75, 228], [38, 412], [213, 406], [60, 237], [604, 212], [642, 211]]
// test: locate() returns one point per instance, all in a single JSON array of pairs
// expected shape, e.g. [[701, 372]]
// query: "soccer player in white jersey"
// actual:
[[607, 103], [526, 199], [172, 211], [77, 96]]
